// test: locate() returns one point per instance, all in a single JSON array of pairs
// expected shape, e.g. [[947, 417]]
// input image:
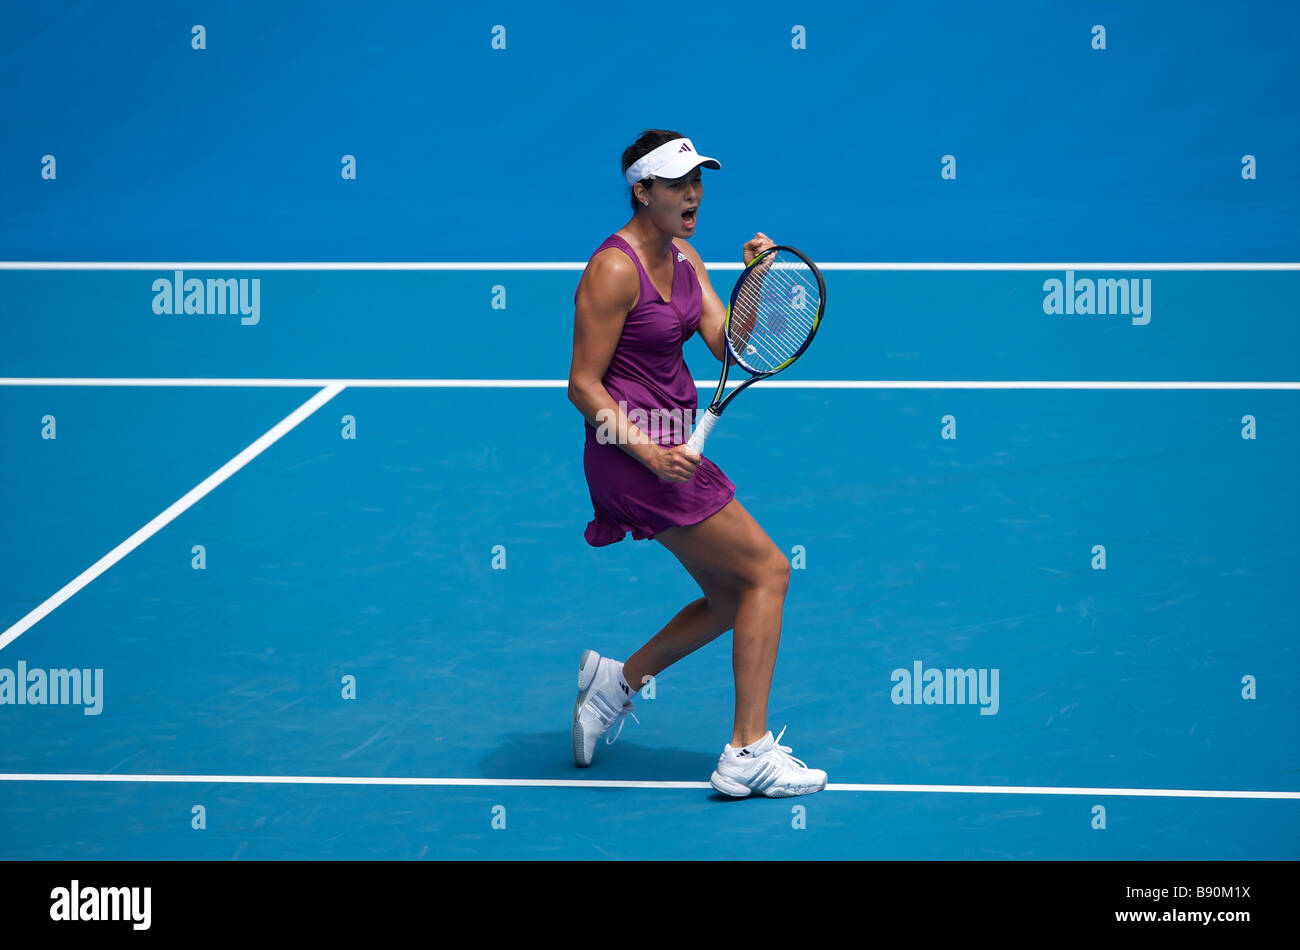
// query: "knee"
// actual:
[[771, 573], [779, 571]]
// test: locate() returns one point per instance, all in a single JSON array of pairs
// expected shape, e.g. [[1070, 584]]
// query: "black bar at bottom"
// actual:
[[927, 898]]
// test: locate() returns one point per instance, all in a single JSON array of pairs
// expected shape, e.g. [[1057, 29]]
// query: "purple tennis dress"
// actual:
[[648, 374]]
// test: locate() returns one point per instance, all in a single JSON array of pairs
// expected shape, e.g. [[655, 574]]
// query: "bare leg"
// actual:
[[735, 562], [696, 624]]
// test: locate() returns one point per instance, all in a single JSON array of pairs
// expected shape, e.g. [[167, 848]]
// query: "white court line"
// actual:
[[580, 265], [169, 514], [589, 783], [700, 383]]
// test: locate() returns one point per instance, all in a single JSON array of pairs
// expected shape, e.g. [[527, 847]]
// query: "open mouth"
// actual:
[[689, 214]]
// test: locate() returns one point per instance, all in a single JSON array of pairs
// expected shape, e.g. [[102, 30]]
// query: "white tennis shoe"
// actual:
[[766, 767], [602, 702]]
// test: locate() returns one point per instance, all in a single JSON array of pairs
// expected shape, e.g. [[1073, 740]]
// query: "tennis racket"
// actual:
[[774, 312]]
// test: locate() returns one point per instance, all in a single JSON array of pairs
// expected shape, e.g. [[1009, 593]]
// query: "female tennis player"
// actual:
[[644, 292]]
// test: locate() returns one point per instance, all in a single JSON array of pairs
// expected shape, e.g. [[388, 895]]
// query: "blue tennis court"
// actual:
[[296, 569], [424, 539]]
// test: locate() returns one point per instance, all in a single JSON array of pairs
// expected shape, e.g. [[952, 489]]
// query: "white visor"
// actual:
[[670, 160]]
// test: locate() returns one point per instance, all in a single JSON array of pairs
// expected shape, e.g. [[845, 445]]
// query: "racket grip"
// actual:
[[702, 430]]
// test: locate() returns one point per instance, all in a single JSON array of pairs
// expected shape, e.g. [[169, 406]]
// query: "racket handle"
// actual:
[[702, 430]]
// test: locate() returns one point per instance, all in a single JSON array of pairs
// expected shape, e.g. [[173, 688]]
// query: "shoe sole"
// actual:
[[729, 786], [587, 666]]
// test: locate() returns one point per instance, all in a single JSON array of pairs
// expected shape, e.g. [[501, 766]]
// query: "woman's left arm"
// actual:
[[714, 317]]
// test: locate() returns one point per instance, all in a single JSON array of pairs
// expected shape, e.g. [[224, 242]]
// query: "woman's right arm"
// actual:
[[606, 294]]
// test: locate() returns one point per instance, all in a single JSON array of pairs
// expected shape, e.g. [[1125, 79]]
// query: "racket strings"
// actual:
[[790, 333], [765, 329], [763, 347], [774, 313], [786, 297]]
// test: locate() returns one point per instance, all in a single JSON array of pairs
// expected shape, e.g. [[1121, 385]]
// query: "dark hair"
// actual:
[[650, 140]]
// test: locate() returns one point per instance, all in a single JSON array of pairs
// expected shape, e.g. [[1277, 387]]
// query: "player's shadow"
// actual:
[[549, 755]]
